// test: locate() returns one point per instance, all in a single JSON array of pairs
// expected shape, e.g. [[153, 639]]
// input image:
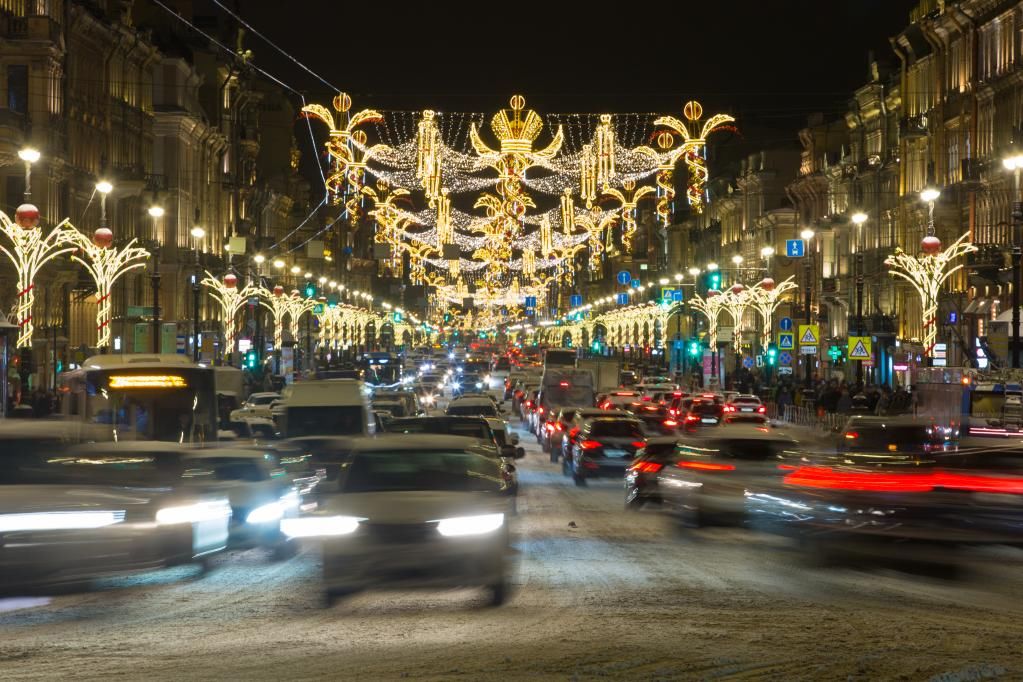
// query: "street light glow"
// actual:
[[859, 217], [737, 259], [930, 194], [807, 233], [712, 266], [259, 258], [279, 264], [29, 155], [104, 187], [323, 280], [295, 269], [198, 232], [156, 211], [308, 275], [1010, 162], [694, 271], [767, 251]]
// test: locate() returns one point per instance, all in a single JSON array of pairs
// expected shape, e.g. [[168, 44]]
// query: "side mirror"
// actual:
[[514, 439]]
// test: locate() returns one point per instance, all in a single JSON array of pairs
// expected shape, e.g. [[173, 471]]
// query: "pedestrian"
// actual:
[[844, 403], [883, 401]]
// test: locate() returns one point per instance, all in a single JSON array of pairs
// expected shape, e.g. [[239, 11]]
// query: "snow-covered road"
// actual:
[[600, 593]]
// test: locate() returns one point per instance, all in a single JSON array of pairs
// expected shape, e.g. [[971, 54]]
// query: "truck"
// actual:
[[605, 371], [564, 388]]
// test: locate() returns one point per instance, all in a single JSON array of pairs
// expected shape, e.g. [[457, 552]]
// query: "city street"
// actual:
[[600, 593]]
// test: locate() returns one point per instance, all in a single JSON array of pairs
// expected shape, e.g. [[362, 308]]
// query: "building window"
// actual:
[[17, 88]]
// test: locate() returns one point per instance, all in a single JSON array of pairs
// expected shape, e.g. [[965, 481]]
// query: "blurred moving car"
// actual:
[[409, 400], [413, 511], [703, 412], [473, 406], [603, 448], [327, 407], [257, 405], [894, 434], [618, 400], [705, 479], [70, 516], [655, 418]]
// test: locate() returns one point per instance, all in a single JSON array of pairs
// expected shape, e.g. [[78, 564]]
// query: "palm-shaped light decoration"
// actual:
[[297, 306], [347, 148], [766, 296], [278, 304], [629, 196], [598, 226], [231, 300], [106, 265], [927, 273], [710, 308], [29, 251], [736, 300]]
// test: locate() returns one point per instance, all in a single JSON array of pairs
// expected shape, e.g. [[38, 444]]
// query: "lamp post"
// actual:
[[1015, 163], [932, 244], [156, 213], [259, 259], [808, 235], [859, 218], [198, 234]]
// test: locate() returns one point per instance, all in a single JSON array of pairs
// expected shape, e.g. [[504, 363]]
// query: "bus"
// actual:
[[381, 368], [143, 397]]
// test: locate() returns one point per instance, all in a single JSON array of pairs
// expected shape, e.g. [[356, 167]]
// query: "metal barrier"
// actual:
[[809, 418]]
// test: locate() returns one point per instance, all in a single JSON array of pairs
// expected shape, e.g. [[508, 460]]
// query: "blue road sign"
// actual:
[[624, 277], [530, 301], [785, 324], [575, 300], [787, 340], [636, 284], [785, 358], [747, 362], [676, 296], [795, 248], [623, 299]]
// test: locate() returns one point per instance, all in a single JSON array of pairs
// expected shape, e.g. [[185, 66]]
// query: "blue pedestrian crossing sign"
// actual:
[[786, 340], [624, 277], [795, 248], [786, 324]]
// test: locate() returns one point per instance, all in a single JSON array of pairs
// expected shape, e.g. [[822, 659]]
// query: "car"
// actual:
[[745, 407], [628, 378], [702, 412], [414, 510], [604, 447], [554, 428], [394, 408], [409, 400], [502, 364], [256, 405], [704, 479], [528, 404], [69, 516], [473, 406], [893, 434], [575, 424], [656, 419], [617, 400]]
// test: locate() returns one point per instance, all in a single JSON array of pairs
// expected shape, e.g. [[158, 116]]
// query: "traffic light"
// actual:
[[310, 290], [694, 347], [772, 354], [714, 280], [835, 353], [251, 360]]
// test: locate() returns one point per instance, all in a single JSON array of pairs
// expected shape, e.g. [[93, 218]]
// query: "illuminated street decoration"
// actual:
[[736, 300], [278, 304], [106, 264], [629, 196], [297, 306], [766, 296], [29, 250], [711, 308], [231, 300], [927, 273], [598, 226]]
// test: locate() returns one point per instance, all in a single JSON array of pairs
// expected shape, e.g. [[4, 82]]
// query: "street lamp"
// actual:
[[29, 156], [858, 218], [295, 269], [198, 234], [737, 259], [808, 234], [259, 259], [278, 264], [695, 272], [712, 266]]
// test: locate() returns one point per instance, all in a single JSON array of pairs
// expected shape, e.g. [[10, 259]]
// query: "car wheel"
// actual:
[[497, 593], [206, 564], [332, 596], [633, 500], [580, 482]]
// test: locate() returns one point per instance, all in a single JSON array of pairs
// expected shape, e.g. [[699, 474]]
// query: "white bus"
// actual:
[[143, 397]]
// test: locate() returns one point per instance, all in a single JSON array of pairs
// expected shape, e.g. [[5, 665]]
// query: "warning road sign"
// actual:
[[859, 348], [808, 335], [786, 340]]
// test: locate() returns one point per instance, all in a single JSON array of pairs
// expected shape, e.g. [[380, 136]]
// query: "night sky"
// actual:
[[770, 63]]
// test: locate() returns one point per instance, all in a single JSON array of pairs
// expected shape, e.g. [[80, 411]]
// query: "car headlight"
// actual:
[[470, 525], [479, 384], [320, 526], [430, 400], [267, 513], [193, 513], [456, 385]]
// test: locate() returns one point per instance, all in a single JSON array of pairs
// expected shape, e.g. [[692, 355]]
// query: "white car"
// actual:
[[473, 406], [257, 405]]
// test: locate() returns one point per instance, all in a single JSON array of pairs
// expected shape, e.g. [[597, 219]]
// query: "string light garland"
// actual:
[[106, 264]]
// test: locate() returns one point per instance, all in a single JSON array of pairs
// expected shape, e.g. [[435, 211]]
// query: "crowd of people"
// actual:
[[838, 397]]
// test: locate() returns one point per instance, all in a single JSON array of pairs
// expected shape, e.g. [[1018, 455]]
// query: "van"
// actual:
[[329, 407]]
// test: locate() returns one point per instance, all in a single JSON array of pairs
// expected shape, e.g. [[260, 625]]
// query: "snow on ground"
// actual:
[[620, 595]]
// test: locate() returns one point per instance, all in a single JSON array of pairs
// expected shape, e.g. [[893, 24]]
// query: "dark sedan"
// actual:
[[604, 448]]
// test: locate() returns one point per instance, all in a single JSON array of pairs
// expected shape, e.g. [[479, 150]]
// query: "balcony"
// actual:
[[913, 127]]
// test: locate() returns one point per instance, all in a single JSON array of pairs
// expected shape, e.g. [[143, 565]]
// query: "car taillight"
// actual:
[[673, 412], [851, 435], [706, 466], [762, 409], [646, 397], [558, 426], [690, 418], [638, 444], [590, 445], [647, 467], [529, 403], [539, 410], [574, 432], [670, 422]]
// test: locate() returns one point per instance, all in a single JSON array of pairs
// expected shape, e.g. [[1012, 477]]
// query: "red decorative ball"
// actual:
[[738, 288], [231, 281], [711, 293], [278, 290], [767, 284], [26, 216], [103, 237], [930, 245]]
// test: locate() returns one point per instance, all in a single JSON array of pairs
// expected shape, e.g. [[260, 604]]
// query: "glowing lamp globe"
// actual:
[[767, 284], [103, 237], [930, 245], [738, 288], [231, 281], [26, 216], [278, 290]]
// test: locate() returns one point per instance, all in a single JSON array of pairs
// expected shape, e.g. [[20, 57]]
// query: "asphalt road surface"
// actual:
[[601, 593]]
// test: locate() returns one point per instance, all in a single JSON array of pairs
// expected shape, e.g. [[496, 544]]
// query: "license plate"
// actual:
[[708, 421], [746, 409], [615, 453]]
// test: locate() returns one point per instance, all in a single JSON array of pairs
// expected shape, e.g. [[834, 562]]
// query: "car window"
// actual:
[[431, 470], [230, 468], [620, 429], [128, 469], [487, 410]]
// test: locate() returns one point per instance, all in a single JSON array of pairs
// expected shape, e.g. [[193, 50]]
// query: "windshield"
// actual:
[[330, 420], [468, 428], [378, 472], [581, 396], [263, 399], [616, 429], [484, 409], [156, 470]]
